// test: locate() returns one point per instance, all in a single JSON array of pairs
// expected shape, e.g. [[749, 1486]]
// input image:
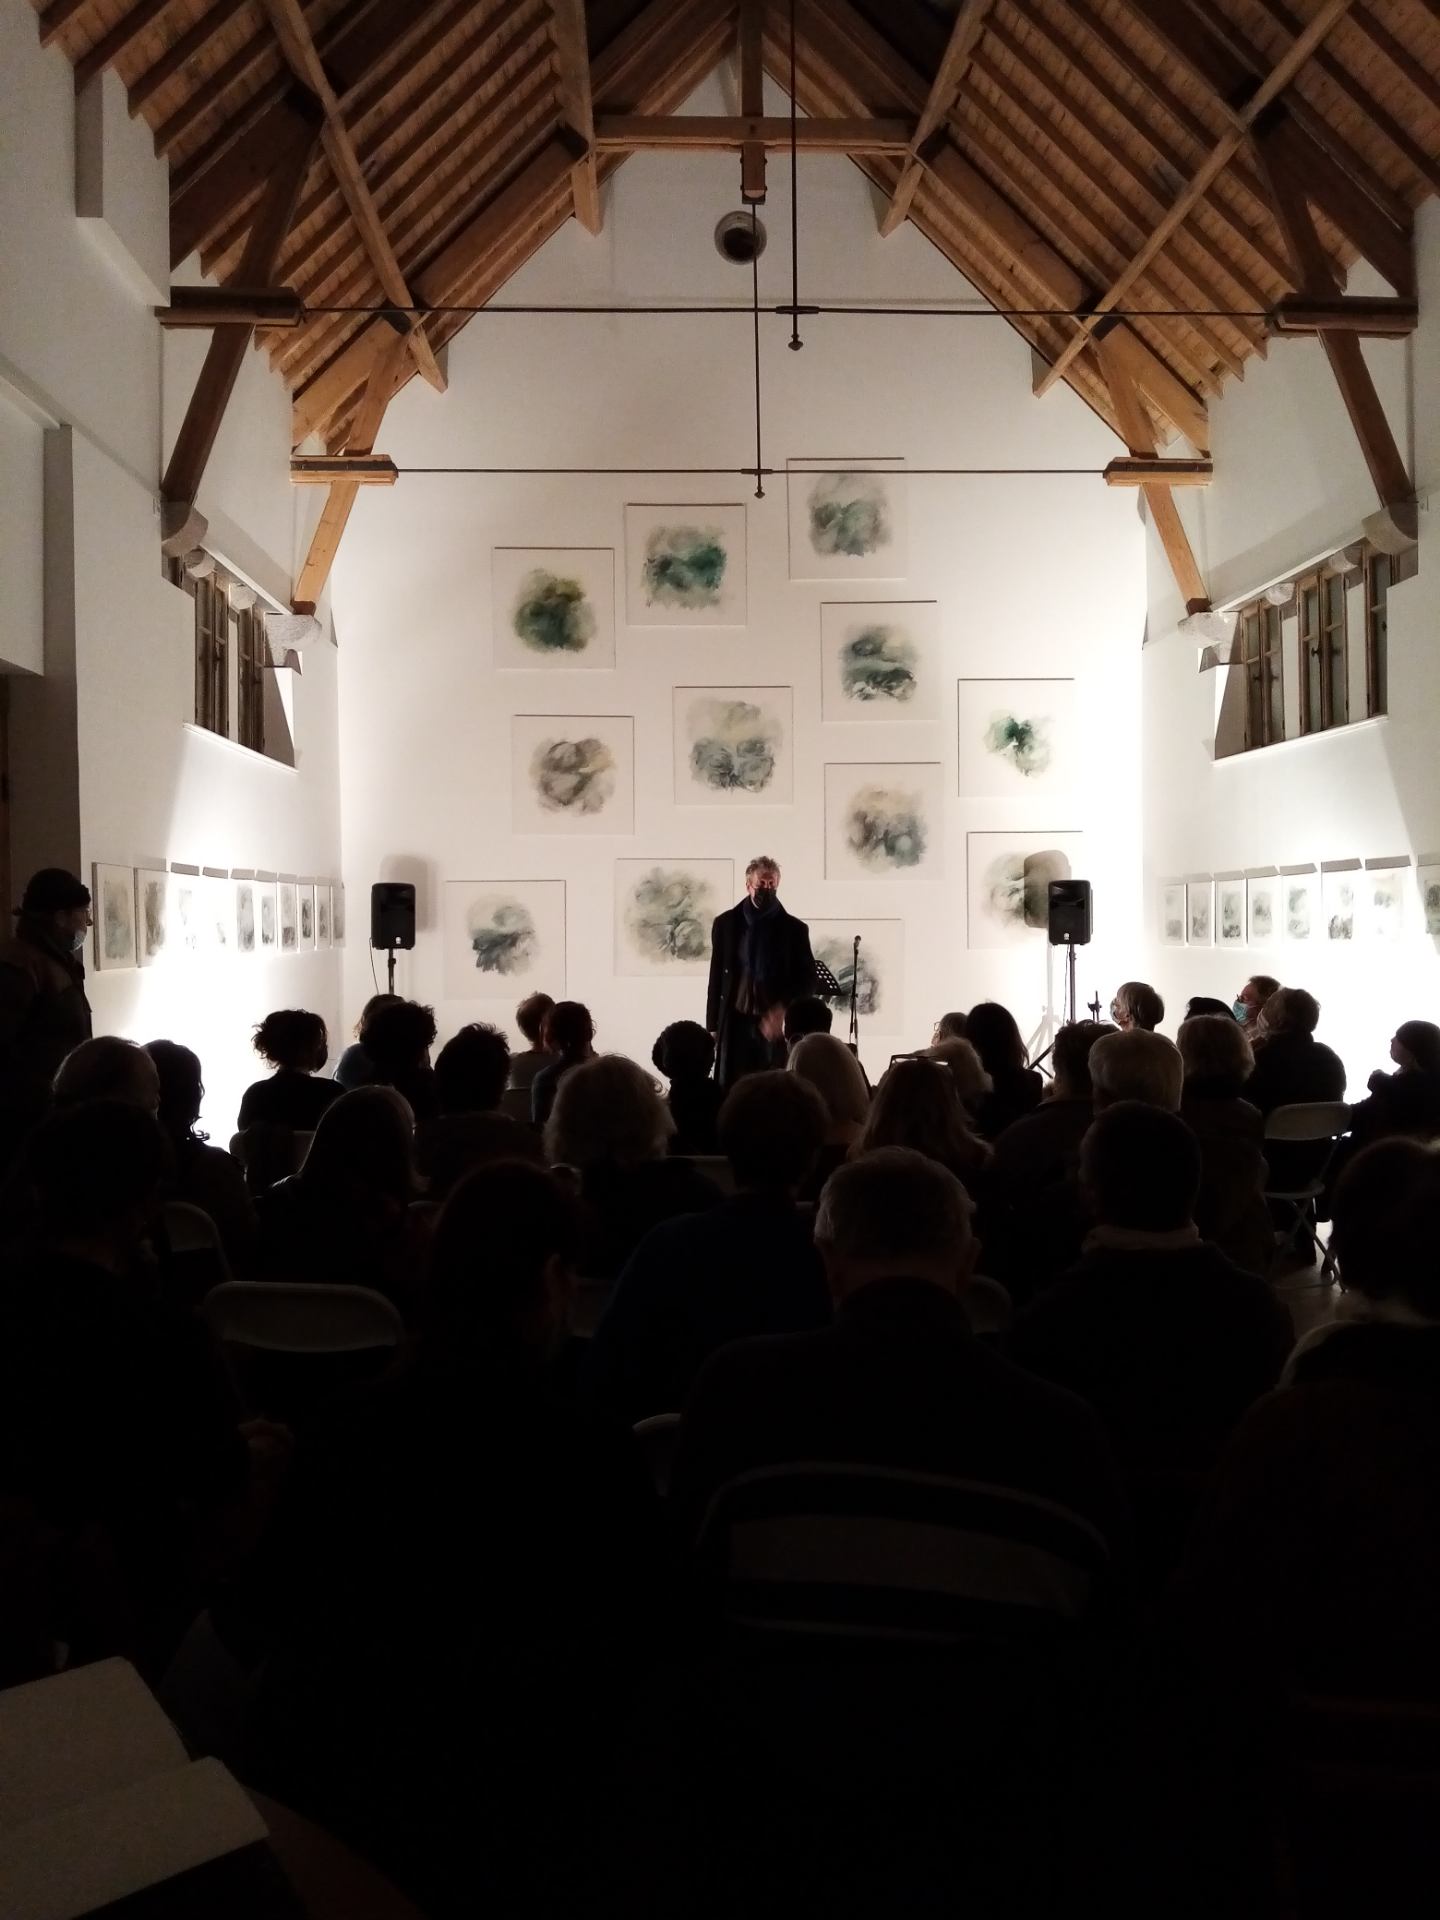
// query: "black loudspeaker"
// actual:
[[1069, 913], [392, 914]]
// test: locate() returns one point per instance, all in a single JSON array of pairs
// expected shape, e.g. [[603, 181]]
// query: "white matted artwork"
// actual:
[[848, 518], [322, 914], [152, 914], [733, 746], [1199, 911], [1230, 912], [337, 913], [504, 939], [1385, 890], [191, 928], [219, 908], [884, 821], [685, 565], [112, 904], [289, 925], [1008, 884], [663, 911], [1014, 737], [267, 917], [572, 773], [1262, 909], [1172, 914], [1427, 878], [880, 661], [1338, 891], [553, 606], [879, 977], [305, 899], [1299, 900], [247, 917]]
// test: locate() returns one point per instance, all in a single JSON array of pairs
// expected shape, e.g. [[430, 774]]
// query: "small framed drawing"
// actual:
[[1385, 888], [732, 746], [1339, 887], [1172, 914], [247, 917], [847, 518], [289, 928], [880, 661], [1299, 904], [553, 607], [884, 822], [322, 913], [876, 972], [685, 566], [1199, 904], [504, 938], [337, 913], [112, 896], [152, 914], [572, 773], [1015, 737], [1262, 909], [1008, 879], [663, 913], [305, 894], [1427, 877], [267, 917], [1230, 911]]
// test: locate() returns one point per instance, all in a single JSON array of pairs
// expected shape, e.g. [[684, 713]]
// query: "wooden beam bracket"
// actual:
[[1377, 318], [1136, 471], [360, 469], [239, 306]]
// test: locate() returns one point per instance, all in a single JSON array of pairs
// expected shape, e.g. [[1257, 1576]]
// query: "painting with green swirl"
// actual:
[[663, 913], [504, 939], [884, 822], [879, 995], [572, 773], [879, 661], [732, 746], [554, 607], [685, 565], [1015, 737], [1009, 878], [847, 518]]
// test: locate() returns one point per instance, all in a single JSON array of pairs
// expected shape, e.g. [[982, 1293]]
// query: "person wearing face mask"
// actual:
[[1249, 1003], [44, 1014], [760, 960]]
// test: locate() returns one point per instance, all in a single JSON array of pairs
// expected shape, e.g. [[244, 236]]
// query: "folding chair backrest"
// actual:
[[715, 1167], [515, 1104], [987, 1305], [269, 1154], [301, 1317], [1308, 1120], [659, 1435]]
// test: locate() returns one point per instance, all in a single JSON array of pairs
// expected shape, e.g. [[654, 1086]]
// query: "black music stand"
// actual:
[[831, 989]]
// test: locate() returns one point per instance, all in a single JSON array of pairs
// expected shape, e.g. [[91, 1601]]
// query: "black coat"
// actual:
[[795, 968]]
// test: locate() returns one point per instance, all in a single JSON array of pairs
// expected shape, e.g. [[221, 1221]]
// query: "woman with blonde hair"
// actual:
[[965, 1068], [834, 1072], [1230, 1208], [918, 1105]]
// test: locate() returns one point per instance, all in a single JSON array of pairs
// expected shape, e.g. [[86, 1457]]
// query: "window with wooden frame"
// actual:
[[212, 655], [1382, 571], [1261, 659], [252, 657], [1324, 653]]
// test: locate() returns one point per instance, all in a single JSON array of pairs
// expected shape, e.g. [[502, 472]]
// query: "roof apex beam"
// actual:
[[954, 64], [660, 133], [577, 107]]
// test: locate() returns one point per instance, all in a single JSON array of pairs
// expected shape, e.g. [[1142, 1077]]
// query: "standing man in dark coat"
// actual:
[[760, 960], [44, 1014]]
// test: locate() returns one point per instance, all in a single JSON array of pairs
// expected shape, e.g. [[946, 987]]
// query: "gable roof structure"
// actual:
[[1139, 184]]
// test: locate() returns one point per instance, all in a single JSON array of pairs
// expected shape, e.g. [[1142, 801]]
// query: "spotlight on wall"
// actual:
[[1281, 594], [740, 238], [1208, 628], [199, 564]]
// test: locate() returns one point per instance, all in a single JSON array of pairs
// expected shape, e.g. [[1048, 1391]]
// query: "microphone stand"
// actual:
[[855, 998]]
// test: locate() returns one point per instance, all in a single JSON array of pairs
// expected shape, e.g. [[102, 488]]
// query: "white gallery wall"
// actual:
[[1291, 487], [1030, 577], [105, 766]]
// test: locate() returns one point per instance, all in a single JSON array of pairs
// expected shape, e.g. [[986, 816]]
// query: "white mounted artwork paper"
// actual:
[[112, 906], [305, 898], [572, 773], [685, 566], [1229, 913], [848, 518], [289, 928], [880, 996], [337, 913], [1199, 903], [885, 821], [267, 917], [1008, 884], [220, 914], [880, 661], [322, 914], [1338, 891], [553, 607], [733, 746], [663, 913], [504, 939], [1262, 906], [192, 929], [1015, 737], [152, 914], [247, 917], [1298, 899], [1172, 915], [1428, 880], [1385, 890]]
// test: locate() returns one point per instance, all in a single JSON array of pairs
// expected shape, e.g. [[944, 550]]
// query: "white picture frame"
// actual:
[[686, 564], [663, 914], [1263, 909], [881, 994], [572, 773], [885, 821], [734, 746], [1340, 892], [1172, 914], [880, 662], [504, 939], [1230, 924], [152, 915], [1200, 913], [1015, 738], [112, 906], [1008, 879], [552, 609], [848, 517]]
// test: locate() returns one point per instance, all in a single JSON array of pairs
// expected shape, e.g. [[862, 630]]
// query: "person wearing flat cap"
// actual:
[[44, 1014]]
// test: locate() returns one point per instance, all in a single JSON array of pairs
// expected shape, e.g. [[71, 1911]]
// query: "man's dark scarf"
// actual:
[[761, 943]]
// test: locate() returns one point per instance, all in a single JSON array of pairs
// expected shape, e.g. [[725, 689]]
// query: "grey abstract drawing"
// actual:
[[245, 917], [154, 924], [307, 916], [502, 934], [849, 514], [1231, 902], [684, 566], [1430, 900], [879, 663], [573, 776], [668, 915], [885, 828], [1297, 910], [117, 925], [267, 917], [1017, 886], [733, 745], [1024, 742]]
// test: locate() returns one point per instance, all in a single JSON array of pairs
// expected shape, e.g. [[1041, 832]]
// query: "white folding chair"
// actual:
[[293, 1316], [1316, 1122]]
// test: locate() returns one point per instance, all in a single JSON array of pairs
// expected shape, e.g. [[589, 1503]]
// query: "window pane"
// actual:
[[1314, 719]]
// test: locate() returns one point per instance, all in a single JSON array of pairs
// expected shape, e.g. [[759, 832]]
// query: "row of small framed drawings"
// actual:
[[1342, 900], [146, 916]]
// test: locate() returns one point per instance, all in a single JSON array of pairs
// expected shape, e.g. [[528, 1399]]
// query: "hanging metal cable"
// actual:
[[796, 343], [650, 473], [755, 309]]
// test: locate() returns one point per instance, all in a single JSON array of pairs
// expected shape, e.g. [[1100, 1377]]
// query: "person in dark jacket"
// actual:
[[1291, 1066], [685, 1054], [296, 1045], [43, 1009], [201, 1175], [760, 960], [568, 1034], [1015, 1086], [1406, 1101], [1230, 1209], [471, 1071], [355, 1068]]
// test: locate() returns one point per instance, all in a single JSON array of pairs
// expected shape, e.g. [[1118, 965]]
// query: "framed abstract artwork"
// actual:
[[1230, 911], [884, 821], [848, 518], [878, 973], [1015, 737], [685, 565], [267, 917], [1339, 893], [1172, 914], [1299, 904], [880, 661], [504, 939], [553, 607], [1385, 888], [305, 899], [152, 914], [663, 914], [1008, 879], [1263, 909], [733, 746], [1199, 910], [1427, 880], [572, 773], [289, 905], [112, 903]]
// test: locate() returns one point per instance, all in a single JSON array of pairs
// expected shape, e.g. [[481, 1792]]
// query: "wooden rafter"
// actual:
[[300, 52], [1275, 83], [752, 97], [699, 132], [1136, 431], [954, 63], [57, 16], [126, 31], [177, 56], [325, 541], [572, 54]]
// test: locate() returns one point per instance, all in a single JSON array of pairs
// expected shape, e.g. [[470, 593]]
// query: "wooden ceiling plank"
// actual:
[[1274, 84], [303, 57], [325, 541], [572, 59], [210, 92], [425, 28], [191, 42], [1416, 77], [752, 98], [109, 47], [218, 195], [56, 17], [960, 49], [229, 344], [1389, 249], [1135, 431]]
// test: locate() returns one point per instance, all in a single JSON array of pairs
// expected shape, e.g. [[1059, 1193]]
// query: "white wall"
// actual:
[[1291, 485], [1033, 576]]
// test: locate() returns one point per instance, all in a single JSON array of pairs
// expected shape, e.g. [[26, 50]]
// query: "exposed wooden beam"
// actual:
[[325, 541], [109, 47], [231, 306], [229, 344], [57, 16], [183, 50], [635, 132], [304, 59], [323, 469], [1279, 77], [752, 98], [1372, 318], [1138, 436], [954, 63], [572, 56], [1140, 472]]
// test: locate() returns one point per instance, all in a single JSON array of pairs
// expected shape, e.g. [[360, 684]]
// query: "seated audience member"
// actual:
[[745, 1267], [610, 1124], [1137, 1006], [530, 1019], [471, 1070], [1251, 1000], [1136, 1066], [344, 1218], [1291, 1065], [1230, 1210], [918, 1105], [959, 1058], [203, 1176], [1406, 1101], [938, 1432], [1201, 1003], [117, 1423], [685, 1054], [950, 1026], [1329, 1486], [398, 1039], [829, 1066], [1015, 1085], [568, 1034], [108, 1068], [355, 1068], [296, 1045], [1156, 1329], [464, 1584], [808, 1014]]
